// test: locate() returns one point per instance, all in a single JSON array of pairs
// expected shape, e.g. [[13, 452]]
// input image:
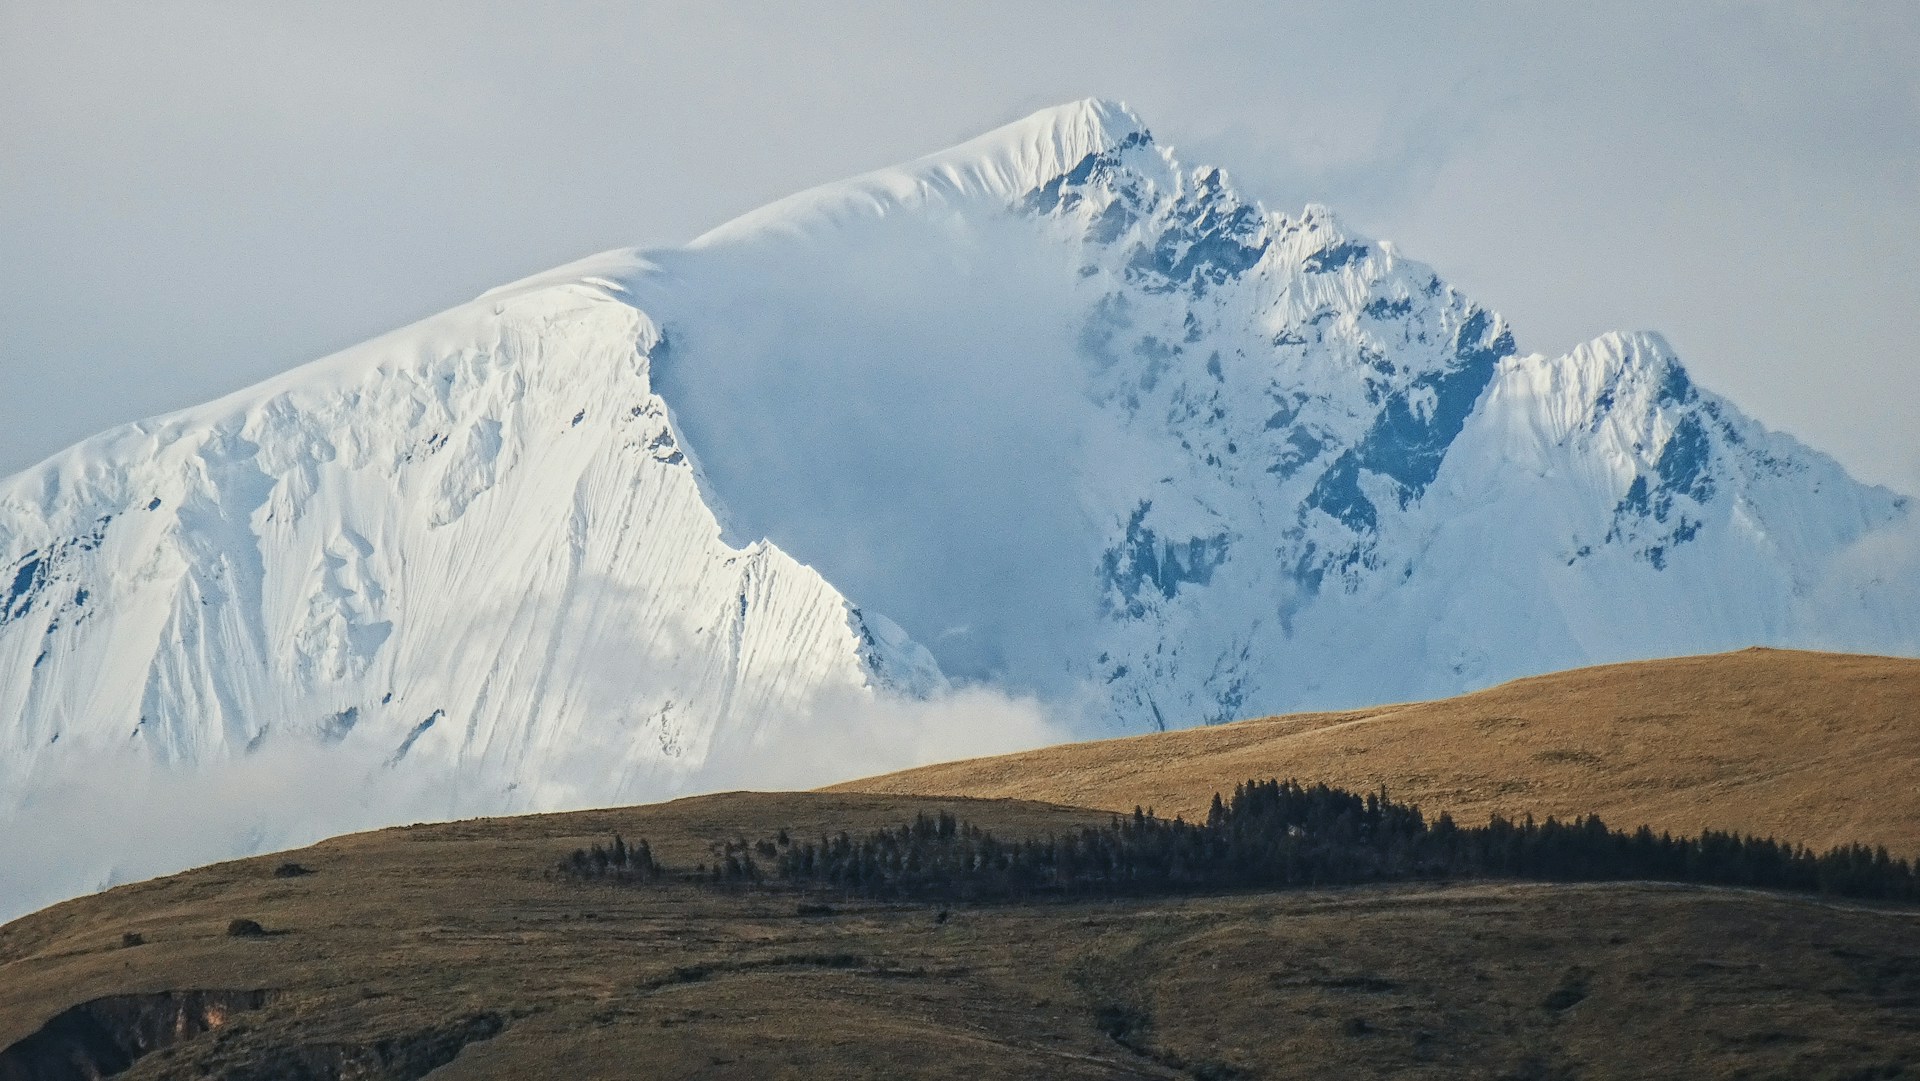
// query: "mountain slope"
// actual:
[[1814, 748], [472, 548]]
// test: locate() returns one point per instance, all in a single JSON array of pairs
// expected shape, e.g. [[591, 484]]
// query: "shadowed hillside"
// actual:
[[1816, 748]]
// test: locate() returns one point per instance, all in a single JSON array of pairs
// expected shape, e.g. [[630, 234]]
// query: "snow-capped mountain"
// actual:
[[1089, 424]]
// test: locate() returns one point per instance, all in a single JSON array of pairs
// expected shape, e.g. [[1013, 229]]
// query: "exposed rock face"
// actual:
[[106, 1036]]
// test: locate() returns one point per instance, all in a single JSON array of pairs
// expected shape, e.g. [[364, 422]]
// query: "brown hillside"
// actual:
[[444, 951], [1818, 748]]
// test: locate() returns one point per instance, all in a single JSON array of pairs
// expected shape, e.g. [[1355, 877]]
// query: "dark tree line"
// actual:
[[619, 861], [1280, 834]]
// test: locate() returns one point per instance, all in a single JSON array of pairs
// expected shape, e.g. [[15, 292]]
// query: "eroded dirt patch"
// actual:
[[106, 1036], [403, 1057]]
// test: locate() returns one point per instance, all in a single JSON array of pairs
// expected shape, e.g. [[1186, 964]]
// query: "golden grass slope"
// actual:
[[1817, 748]]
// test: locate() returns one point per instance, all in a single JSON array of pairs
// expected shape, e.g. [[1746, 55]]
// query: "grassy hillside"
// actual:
[[1817, 748], [450, 947]]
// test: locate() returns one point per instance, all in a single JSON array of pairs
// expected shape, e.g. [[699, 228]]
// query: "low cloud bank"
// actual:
[[1872, 586], [96, 821]]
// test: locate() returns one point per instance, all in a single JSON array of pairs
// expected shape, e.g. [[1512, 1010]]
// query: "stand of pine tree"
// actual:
[[1269, 834]]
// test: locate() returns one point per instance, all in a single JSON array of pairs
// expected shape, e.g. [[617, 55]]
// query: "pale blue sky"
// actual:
[[196, 195]]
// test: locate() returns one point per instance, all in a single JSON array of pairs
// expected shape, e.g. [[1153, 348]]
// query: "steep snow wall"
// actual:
[[476, 545]]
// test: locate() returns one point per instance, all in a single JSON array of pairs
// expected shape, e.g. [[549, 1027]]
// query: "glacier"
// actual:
[[1115, 447]]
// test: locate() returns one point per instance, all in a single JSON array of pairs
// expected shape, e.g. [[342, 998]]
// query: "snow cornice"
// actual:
[[1000, 165]]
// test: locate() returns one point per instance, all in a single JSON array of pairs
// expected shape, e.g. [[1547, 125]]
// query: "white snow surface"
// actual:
[[1097, 431]]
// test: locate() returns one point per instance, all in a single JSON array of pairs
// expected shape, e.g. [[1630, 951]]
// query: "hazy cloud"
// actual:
[[96, 820]]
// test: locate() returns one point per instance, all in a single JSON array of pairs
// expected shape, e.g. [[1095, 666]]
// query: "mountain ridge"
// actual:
[[1003, 164]]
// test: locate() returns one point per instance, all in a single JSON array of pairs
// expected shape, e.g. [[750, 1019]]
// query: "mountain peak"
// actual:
[[1640, 356], [1094, 123], [1319, 214], [999, 166], [1648, 345]]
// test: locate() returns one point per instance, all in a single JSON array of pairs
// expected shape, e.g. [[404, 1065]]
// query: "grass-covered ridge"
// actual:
[[1821, 748]]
